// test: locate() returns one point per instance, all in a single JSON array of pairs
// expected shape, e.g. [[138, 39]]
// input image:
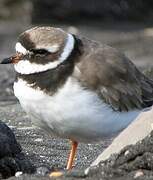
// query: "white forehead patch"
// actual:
[[26, 67], [19, 48]]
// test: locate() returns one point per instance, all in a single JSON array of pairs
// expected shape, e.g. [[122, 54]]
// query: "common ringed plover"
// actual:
[[76, 88]]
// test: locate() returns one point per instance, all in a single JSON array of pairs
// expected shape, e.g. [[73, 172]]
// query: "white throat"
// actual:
[[26, 67]]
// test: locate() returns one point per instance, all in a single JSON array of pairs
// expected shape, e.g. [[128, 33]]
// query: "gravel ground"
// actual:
[[133, 162]]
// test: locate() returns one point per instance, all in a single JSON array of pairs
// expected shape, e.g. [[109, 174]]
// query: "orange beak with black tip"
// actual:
[[13, 59]]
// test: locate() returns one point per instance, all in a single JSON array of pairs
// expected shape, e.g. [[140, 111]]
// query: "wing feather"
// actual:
[[116, 79]]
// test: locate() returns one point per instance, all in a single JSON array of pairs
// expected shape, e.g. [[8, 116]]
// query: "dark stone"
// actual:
[[8, 143], [128, 162], [48, 11], [11, 158]]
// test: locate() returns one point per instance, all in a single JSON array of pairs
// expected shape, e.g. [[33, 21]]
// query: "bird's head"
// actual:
[[40, 49]]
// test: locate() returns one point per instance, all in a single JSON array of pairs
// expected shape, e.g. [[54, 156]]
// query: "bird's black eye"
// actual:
[[39, 51]]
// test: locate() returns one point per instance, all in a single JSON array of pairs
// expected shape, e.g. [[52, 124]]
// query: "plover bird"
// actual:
[[76, 88]]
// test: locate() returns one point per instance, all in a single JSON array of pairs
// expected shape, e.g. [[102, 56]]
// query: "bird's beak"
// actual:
[[13, 59]]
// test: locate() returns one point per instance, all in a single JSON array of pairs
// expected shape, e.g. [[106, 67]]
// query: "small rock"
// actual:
[[12, 161], [18, 173], [42, 170], [126, 153], [8, 143], [138, 174], [38, 140]]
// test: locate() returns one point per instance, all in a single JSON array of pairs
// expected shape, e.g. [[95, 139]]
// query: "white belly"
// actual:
[[72, 112]]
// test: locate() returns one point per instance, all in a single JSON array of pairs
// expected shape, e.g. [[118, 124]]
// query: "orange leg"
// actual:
[[70, 160], [72, 155]]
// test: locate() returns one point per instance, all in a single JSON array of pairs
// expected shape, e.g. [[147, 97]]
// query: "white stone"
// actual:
[[136, 131], [18, 173]]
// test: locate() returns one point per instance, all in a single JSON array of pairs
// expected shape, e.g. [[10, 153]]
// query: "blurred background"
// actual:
[[124, 24]]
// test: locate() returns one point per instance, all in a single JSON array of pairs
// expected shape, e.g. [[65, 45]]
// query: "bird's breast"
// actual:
[[72, 112]]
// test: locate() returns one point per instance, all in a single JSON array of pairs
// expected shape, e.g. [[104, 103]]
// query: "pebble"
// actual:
[[42, 170], [126, 153], [18, 173], [138, 174], [38, 140]]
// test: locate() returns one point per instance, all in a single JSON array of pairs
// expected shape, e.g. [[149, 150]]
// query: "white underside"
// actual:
[[72, 112]]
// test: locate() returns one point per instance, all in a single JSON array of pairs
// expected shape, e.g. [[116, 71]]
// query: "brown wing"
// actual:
[[115, 78]]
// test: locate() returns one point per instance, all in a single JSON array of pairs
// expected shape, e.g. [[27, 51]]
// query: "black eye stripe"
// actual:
[[39, 51]]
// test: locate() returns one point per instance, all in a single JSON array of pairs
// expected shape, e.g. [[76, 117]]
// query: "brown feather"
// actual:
[[114, 77]]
